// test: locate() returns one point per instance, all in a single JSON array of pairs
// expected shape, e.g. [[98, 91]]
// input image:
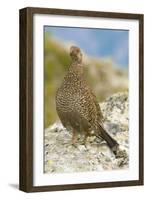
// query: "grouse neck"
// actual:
[[76, 68], [76, 62]]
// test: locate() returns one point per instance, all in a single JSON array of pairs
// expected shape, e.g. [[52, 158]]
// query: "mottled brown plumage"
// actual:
[[77, 106]]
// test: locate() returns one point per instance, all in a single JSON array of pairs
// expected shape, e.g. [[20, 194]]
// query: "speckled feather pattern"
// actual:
[[76, 104]]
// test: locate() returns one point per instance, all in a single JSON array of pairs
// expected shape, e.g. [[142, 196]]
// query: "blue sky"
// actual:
[[101, 43]]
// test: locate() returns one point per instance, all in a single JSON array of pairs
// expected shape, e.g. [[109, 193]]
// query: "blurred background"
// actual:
[[105, 58]]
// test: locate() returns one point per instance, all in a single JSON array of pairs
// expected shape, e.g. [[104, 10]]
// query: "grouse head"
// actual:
[[75, 54]]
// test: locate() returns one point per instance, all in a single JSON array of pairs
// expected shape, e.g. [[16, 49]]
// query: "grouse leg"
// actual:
[[74, 137]]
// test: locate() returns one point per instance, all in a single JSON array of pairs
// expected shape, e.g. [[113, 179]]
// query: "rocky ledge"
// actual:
[[61, 156]]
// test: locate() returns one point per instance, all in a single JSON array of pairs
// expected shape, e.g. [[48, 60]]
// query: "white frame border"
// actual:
[[41, 179]]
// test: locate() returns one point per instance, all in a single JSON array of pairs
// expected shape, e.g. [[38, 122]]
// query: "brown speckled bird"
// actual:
[[77, 106]]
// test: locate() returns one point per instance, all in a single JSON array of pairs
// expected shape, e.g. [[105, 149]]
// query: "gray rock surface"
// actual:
[[61, 156]]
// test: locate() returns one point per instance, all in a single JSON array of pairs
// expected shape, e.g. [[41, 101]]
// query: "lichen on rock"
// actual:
[[61, 156]]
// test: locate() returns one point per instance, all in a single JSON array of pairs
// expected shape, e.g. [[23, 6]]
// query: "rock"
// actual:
[[61, 156]]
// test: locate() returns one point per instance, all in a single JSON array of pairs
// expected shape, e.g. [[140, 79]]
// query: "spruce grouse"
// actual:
[[77, 106]]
